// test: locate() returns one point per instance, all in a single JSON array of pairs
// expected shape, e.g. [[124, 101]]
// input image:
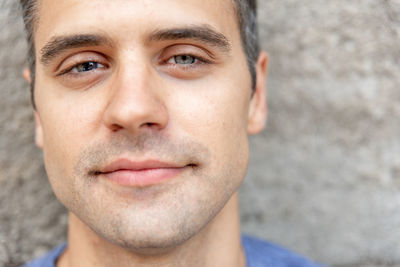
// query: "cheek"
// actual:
[[65, 132], [216, 115], [58, 150], [216, 107], [67, 128], [67, 116]]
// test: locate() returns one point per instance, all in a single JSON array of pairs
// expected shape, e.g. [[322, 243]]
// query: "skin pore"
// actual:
[[160, 82]]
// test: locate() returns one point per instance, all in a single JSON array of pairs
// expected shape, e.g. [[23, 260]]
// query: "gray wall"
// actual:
[[324, 178]]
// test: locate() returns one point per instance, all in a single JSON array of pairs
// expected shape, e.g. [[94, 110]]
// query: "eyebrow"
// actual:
[[60, 44], [202, 33]]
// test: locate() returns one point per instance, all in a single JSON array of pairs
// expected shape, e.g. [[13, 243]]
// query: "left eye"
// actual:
[[183, 60], [87, 66]]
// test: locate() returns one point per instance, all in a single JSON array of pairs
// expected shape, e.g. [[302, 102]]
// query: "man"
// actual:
[[143, 110]]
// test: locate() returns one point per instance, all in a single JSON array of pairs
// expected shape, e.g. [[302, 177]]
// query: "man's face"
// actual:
[[143, 111]]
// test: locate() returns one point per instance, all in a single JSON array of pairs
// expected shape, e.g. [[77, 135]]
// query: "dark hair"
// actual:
[[246, 11], [247, 15]]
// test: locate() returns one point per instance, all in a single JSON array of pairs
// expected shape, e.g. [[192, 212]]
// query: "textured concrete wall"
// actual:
[[325, 174]]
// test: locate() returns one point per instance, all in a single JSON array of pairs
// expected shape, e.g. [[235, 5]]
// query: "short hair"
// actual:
[[246, 12]]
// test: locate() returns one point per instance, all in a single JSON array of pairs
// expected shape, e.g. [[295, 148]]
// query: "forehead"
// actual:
[[131, 18]]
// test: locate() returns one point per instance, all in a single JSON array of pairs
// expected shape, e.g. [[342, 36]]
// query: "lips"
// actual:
[[139, 174]]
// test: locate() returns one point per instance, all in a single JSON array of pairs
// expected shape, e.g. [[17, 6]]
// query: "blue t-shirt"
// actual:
[[258, 254]]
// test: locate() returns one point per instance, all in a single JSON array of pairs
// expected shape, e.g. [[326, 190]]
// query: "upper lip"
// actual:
[[126, 164]]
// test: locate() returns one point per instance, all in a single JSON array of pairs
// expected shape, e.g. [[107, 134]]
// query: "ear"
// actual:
[[258, 104], [38, 131], [27, 75]]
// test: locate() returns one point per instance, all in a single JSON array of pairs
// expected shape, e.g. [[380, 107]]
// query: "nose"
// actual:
[[135, 101]]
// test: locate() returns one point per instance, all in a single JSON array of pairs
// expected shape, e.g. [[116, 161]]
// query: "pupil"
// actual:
[[88, 66], [184, 59]]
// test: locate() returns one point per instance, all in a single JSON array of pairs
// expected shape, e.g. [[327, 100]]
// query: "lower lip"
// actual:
[[141, 178]]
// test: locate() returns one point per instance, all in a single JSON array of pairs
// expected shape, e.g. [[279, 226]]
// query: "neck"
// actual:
[[217, 244]]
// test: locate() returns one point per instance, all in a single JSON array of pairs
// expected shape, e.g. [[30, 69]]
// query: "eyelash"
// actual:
[[198, 60], [80, 64]]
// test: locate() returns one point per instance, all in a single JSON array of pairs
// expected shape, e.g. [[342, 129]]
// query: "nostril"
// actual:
[[149, 124], [115, 127]]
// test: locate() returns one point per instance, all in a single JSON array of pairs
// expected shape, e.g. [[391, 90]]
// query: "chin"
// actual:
[[153, 245], [148, 240]]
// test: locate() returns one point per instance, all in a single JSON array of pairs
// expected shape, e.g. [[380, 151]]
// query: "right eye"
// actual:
[[85, 67]]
